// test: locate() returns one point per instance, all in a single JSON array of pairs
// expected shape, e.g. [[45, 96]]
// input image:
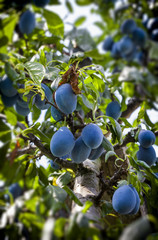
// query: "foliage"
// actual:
[[53, 56]]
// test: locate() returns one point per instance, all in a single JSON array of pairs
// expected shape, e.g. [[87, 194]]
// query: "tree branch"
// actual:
[[132, 105]]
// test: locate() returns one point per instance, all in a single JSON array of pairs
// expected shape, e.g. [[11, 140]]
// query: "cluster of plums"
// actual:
[[65, 99], [126, 200], [27, 20], [130, 45], [10, 97], [87, 146], [151, 25], [146, 151]]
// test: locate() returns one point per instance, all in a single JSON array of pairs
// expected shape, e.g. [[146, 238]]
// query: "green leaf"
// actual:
[[35, 113], [42, 175], [72, 195], [55, 24], [109, 154], [86, 102], [79, 21], [11, 73], [11, 117], [87, 206], [36, 71], [107, 145], [64, 179], [58, 193]]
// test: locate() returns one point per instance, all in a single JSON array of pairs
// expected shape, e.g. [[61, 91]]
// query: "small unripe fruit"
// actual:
[[92, 135], [80, 152], [147, 155], [62, 142], [113, 110], [146, 138], [124, 200], [27, 22]]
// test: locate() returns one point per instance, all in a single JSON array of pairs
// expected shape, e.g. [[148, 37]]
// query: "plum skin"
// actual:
[[66, 99], [9, 101], [92, 135], [108, 43], [128, 26], [7, 88], [113, 110], [146, 138], [22, 110], [62, 142], [124, 200], [147, 155], [136, 208], [41, 104], [139, 36], [126, 45], [27, 22], [96, 153], [80, 151], [56, 114], [15, 190]]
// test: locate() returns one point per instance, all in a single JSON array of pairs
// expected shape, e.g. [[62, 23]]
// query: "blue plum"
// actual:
[[147, 155], [22, 103], [108, 43], [137, 205], [139, 57], [139, 36], [146, 138], [113, 110], [154, 35], [124, 200], [126, 45], [66, 99], [152, 24], [41, 3], [7, 88], [41, 104], [27, 22], [96, 153], [128, 26], [15, 190], [130, 56], [115, 52], [62, 142], [56, 114], [22, 110], [80, 152], [92, 135], [9, 101]]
